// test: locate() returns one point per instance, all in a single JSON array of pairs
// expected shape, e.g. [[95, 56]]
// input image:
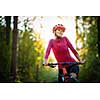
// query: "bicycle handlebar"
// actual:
[[63, 63]]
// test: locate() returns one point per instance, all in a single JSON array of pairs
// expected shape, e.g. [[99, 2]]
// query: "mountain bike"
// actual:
[[66, 77]]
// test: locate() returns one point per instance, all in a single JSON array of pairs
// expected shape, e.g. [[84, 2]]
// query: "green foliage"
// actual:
[[5, 54], [30, 59], [89, 50], [30, 56], [4, 62], [25, 57], [48, 75]]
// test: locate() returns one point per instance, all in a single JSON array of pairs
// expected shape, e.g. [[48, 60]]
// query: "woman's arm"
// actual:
[[48, 51], [72, 49], [78, 57]]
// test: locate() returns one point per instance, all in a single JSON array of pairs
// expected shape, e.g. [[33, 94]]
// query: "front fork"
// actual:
[[65, 74]]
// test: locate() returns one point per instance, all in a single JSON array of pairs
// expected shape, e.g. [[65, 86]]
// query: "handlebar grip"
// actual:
[[49, 64], [43, 64]]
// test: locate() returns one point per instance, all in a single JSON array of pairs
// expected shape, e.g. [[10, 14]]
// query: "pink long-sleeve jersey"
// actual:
[[60, 49]]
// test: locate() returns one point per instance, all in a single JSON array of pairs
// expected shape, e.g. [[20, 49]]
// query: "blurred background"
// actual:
[[24, 39]]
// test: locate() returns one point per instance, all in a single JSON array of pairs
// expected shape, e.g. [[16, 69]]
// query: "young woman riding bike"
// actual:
[[60, 46]]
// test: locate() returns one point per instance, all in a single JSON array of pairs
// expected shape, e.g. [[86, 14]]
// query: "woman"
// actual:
[[60, 46]]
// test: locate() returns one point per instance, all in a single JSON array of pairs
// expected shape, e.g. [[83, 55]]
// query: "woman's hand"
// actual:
[[78, 57], [82, 62], [45, 62]]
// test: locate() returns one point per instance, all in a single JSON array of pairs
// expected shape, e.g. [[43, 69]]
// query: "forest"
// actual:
[[22, 50]]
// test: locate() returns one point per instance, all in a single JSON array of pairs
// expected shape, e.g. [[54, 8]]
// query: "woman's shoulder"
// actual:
[[51, 40], [65, 37]]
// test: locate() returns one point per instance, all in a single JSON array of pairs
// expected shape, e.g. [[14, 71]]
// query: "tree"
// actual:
[[98, 26], [14, 48], [8, 28], [4, 52], [31, 54], [88, 38]]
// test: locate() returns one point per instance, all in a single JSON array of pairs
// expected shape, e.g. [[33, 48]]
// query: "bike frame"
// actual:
[[65, 75]]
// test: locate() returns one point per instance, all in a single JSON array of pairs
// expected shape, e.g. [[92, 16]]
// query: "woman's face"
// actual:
[[59, 33]]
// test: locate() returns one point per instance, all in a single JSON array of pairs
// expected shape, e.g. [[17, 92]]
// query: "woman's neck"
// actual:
[[58, 37]]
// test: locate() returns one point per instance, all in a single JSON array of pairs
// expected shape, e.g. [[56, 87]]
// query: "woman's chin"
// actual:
[[59, 36]]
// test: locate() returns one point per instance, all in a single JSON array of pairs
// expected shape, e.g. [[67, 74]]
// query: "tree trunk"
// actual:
[[98, 26], [14, 48], [8, 28]]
